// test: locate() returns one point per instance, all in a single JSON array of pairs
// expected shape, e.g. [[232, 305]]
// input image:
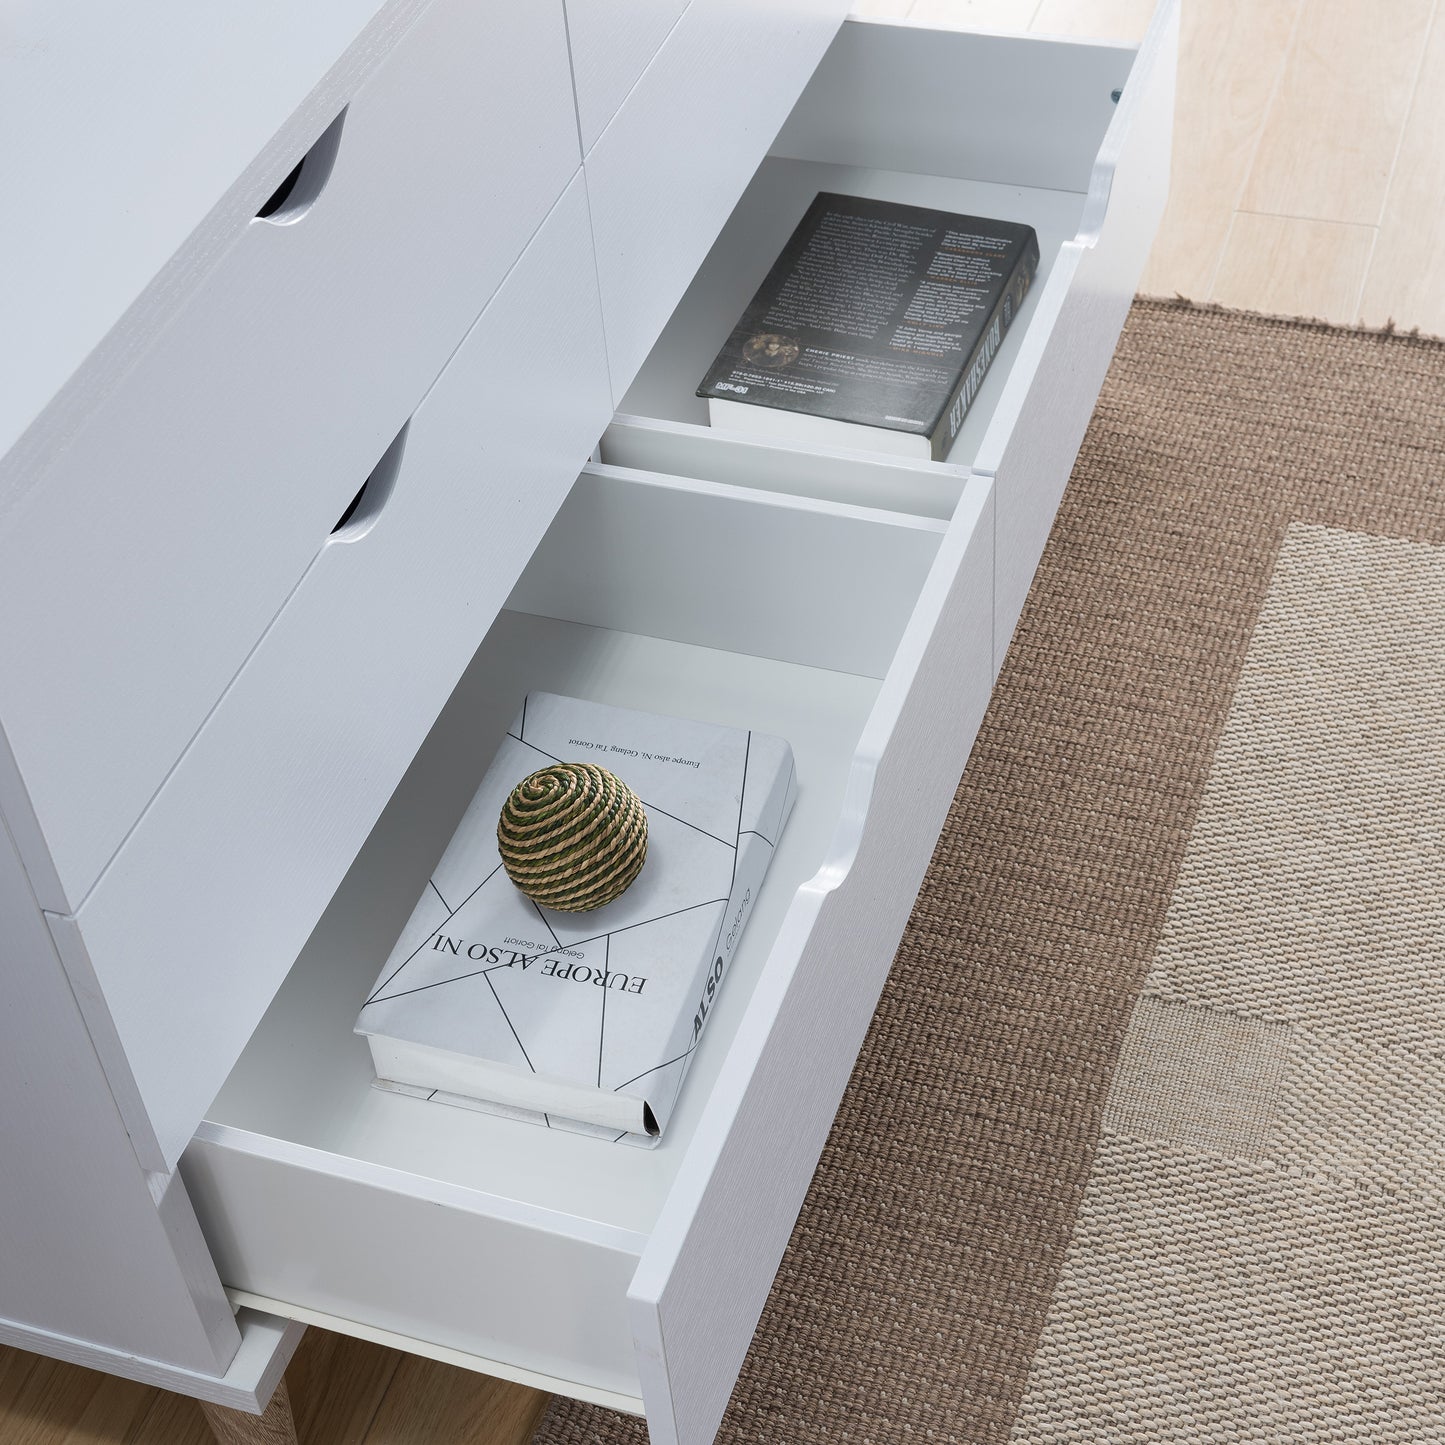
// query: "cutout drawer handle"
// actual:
[[298, 192], [359, 518]]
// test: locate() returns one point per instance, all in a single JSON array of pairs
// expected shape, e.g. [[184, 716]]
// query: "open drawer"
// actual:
[[858, 606], [1071, 137], [626, 1276]]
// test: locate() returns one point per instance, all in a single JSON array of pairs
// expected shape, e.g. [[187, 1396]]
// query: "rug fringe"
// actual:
[[1181, 302]]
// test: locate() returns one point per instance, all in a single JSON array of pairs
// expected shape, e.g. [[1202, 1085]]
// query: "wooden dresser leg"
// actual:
[[236, 1427]]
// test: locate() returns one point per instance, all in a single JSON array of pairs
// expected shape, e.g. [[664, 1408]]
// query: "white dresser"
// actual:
[[290, 519]]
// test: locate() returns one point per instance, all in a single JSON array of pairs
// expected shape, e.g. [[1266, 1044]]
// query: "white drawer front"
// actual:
[[1041, 419], [204, 909], [669, 167], [413, 1258], [146, 563], [612, 43]]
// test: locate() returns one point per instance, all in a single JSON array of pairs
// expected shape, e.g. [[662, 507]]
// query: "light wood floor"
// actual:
[[343, 1392], [1309, 156], [1309, 179]]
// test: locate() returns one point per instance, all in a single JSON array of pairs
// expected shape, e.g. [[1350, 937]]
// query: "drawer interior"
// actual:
[[744, 607], [991, 125]]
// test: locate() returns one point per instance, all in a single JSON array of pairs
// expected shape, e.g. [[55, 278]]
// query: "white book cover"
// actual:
[[583, 1021]]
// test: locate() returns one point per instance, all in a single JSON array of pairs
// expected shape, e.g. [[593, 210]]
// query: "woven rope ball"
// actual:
[[572, 836]]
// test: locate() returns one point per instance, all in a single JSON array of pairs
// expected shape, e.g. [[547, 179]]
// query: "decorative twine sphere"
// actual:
[[572, 836]]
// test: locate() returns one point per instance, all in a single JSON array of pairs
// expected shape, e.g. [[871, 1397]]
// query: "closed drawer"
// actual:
[[1076, 144], [672, 161], [194, 924], [612, 43], [146, 563], [632, 1277]]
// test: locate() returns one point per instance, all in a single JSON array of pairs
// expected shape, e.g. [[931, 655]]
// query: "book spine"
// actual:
[[754, 855], [1010, 298]]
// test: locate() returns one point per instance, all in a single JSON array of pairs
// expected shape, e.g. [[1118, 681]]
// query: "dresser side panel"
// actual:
[[85, 1250]]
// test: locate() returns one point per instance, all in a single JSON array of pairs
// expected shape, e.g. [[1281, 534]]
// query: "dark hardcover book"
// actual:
[[875, 327]]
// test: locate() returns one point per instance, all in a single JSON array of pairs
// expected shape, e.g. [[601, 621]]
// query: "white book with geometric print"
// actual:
[[584, 1021]]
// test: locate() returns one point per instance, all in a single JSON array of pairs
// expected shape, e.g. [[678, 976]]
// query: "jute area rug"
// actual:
[[1147, 1143]]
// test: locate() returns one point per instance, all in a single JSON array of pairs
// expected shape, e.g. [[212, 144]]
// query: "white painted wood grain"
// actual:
[[85, 1252], [612, 43], [156, 550], [669, 167], [1013, 15], [935, 159], [267, 1343], [268, 1199], [25, 830], [305, 1076], [1042, 415], [715, 1248], [387, 1339], [298, 1131], [1046, 102], [1100, 19], [828, 473], [400, 1254], [127, 129], [741, 569], [193, 927]]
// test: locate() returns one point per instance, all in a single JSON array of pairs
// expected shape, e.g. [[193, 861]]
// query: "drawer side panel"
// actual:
[[712, 1257], [1033, 452], [1018, 110]]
